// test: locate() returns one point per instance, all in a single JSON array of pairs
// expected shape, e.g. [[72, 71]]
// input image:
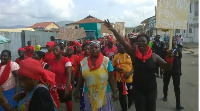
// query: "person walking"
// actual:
[[49, 56], [175, 73], [144, 63], [29, 49], [97, 75], [124, 76], [22, 55]]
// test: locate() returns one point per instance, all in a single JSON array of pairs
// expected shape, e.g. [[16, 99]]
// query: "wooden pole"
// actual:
[[170, 39]]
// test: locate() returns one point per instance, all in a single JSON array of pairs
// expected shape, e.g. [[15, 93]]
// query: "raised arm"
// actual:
[[126, 45]]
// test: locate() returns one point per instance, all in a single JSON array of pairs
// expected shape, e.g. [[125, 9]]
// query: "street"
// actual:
[[189, 89]]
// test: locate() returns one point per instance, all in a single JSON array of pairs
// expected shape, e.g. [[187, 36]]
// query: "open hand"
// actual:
[[115, 96], [108, 25]]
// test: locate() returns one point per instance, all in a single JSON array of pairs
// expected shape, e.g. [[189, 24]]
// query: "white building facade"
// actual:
[[191, 34]]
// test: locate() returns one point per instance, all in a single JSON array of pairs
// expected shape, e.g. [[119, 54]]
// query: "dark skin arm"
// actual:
[[113, 86], [129, 49], [68, 71], [77, 90], [3, 102], [126, 76], [15, 73]]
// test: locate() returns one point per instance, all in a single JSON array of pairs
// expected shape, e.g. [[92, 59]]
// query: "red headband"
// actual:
[[22, 49], [33, 69], [50, 44]]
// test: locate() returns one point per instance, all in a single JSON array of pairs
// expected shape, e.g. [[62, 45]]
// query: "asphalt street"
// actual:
[[189, 89]]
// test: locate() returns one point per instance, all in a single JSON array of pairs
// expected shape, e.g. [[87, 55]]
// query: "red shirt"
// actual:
[[74, 60], [110, 52], [29, 53], [18, 60], [49, 57], [58, 67]]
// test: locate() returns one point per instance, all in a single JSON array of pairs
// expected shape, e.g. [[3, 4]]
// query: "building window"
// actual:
[[76, 27], [177, 30], [190, 8], [196, 8], [190, 28]]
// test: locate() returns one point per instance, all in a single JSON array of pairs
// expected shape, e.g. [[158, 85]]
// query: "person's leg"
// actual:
[[139, 99], [151, 97], [130, 94], [176, 82], [166, 80], [122, 98], [66, 100]]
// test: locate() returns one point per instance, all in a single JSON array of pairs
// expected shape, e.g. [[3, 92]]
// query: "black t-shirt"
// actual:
[[41, 100]]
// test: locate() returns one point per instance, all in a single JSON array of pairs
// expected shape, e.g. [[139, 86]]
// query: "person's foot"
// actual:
[[164, 98], [129, 105], [179, 107]]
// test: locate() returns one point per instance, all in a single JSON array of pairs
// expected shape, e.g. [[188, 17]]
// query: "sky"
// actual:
[[29, 12]]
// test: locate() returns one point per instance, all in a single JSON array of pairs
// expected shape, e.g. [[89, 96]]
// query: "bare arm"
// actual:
[[79, 84], [113, 86], [126, 45], [68, 70], [161, 63], [3, 102]]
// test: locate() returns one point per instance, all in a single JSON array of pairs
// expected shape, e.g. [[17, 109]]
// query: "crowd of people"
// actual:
[[98, 71]]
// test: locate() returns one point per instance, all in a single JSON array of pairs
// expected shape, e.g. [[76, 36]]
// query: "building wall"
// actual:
[[51, 26], [72, 26], [191, 34]]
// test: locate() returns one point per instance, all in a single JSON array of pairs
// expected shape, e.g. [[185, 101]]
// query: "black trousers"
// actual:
[[122, 98], [145, 100], [176, 83]]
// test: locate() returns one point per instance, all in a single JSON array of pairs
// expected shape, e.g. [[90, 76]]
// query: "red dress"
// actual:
[[29, 53], [49, 57], [74, 60], [18, 60], [58, 67]]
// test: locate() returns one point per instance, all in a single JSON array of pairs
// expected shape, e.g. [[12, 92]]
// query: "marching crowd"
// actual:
[[97, 72]]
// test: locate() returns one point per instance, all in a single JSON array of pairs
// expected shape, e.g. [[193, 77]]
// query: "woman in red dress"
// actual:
[[22, 55], [62, 67], [49, 56]]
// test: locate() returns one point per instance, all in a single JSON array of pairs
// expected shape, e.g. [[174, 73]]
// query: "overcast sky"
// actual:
[[28, 12]]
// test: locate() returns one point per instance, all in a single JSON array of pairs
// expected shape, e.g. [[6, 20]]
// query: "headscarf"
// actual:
[[95, 42], [77, 44], [37, 48], [72, 47], [21, 49], [40, 54], [50, 44], [33, 69]]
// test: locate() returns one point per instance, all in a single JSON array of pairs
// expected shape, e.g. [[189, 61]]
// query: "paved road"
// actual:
[[189, 89]]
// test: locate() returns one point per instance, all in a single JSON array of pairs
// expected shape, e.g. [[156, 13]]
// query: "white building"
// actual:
[[191, 34]]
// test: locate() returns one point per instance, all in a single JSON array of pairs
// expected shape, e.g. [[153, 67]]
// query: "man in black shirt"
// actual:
[[176, 74]]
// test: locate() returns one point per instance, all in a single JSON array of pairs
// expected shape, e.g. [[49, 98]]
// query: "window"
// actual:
[[196, 8], [183, 31], [190, 28], [76, 27], [190, 8], [177, 30]]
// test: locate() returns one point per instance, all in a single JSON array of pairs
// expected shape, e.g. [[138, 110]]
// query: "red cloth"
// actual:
[[72, 47], [18, 60], [49, 57], [50, 44], [22, 49], [97, 62], [146, 56], [58, 67], [5, 73], [77, 44], [110, 38], [74, 60], [29, 50], [169, 60], [33, 69], [110, 52]]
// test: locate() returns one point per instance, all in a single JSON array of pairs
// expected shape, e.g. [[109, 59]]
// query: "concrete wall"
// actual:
[[51, 26], [16, 43]]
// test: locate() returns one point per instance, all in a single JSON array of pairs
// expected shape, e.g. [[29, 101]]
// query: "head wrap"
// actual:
[[110, 39], [72, 47], [50, 44], [22, 49], [95, 42], [33, 69], [37, 48], [40, 54], [77, 44]]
